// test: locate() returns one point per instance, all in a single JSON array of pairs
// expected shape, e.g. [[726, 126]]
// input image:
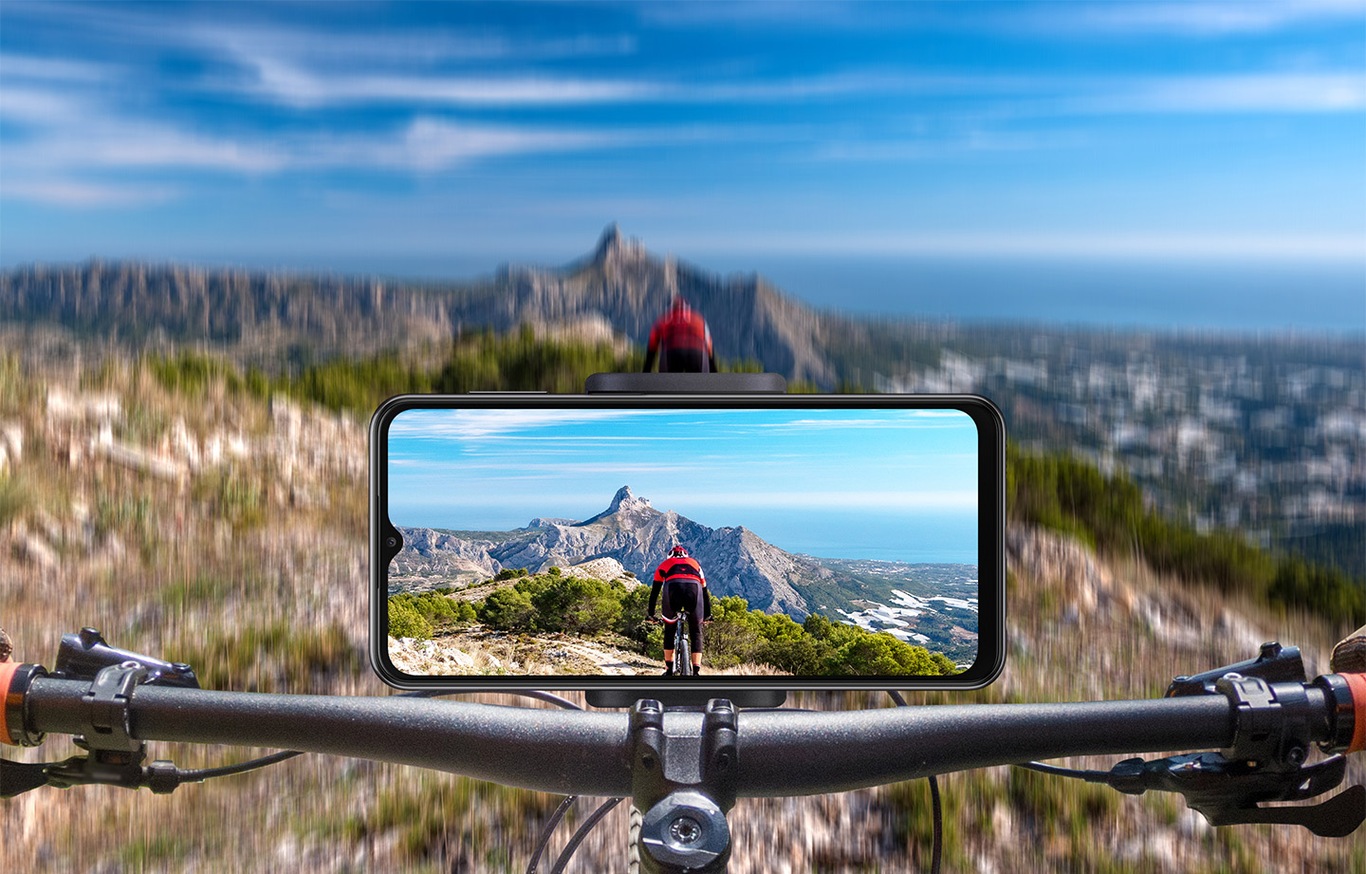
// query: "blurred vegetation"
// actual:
[[232, 496], [482, 361], [478, 361], [1110, 514], [277, 656], [439, 822], [13, 498], [452, 825], [128, 515], [150, 853]]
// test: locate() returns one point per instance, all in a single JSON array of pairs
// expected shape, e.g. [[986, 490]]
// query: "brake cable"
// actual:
[[936, 807], [582, 832]]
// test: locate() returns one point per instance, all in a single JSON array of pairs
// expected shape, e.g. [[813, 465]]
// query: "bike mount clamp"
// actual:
[[115, 757], [683, 782]]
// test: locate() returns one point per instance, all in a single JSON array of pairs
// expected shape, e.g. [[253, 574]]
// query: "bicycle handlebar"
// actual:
[[780, 753], [685, 769], [546, 750]]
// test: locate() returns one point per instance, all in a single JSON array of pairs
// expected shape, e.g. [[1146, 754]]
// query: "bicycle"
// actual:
[[685, 768], [682, 648]]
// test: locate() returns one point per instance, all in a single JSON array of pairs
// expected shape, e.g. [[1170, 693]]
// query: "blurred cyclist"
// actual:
[[685, 588], [681, 342]]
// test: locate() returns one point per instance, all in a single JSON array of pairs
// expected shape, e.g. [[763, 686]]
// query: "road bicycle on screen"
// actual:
[[683, 769]]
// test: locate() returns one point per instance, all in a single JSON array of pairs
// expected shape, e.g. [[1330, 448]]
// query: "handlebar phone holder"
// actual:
[[685, 383]]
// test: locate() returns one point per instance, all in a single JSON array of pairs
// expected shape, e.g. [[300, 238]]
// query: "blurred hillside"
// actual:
[[1264, 434], [191, 510]]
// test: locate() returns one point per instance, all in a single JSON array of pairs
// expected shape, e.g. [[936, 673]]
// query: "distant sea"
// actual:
[[1203, 295], [933, 537], [1252, 295]]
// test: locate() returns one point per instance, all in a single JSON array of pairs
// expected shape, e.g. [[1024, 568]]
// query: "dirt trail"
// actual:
[[608, 661]]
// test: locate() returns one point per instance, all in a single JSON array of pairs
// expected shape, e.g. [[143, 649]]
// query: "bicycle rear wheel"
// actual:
[[682, 648]]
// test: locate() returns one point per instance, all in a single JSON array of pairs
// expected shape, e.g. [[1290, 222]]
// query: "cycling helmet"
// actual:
[[679, 551]]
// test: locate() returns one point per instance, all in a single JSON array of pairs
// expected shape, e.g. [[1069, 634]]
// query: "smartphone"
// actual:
[[713, 542]]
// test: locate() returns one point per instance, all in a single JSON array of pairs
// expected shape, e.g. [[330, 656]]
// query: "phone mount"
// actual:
[[685, 383]]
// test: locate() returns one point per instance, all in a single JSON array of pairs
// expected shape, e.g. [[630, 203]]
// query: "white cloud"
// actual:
[[401, 47], [15, 66], [107, 143], [70, 193], [1199, 18], [929, 147], [1264, 93], [40, 105], [477, 423], [294, 84]]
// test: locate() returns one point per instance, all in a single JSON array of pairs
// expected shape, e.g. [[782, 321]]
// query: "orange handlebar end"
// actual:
[[14, 680], [1357, 684]]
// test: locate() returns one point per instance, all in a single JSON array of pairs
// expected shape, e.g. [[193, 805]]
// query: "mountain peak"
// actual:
[[624, 499], [613, 245]]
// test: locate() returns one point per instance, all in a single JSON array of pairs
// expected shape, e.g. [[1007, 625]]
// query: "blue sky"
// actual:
[[450, 138], [841, 483]]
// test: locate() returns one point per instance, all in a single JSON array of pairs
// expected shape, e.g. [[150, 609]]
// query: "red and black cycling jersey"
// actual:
[[679, 569], [681, 342]]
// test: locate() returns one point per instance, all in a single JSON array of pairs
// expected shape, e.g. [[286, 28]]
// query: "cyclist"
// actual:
[[685, 588], [681, 342]]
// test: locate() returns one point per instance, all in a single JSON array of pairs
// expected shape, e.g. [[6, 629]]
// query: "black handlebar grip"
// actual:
[[1349, 656]]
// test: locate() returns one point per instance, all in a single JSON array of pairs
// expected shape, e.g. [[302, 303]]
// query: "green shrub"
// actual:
[[632, 622], [577, 605], [439, 611], [1109, 512], [405, 621], [819, 647], [509, 610]]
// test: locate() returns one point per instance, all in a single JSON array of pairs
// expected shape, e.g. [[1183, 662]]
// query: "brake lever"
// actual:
[[17, 778], [1227, 791], [83, 655]]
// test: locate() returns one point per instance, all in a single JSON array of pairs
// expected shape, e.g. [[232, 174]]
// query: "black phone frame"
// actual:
[[647, 390]]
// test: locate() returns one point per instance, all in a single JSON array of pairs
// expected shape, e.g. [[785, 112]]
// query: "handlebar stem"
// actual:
[[684, 783]]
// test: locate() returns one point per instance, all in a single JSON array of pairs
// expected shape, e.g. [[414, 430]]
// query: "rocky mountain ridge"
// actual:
[[631, 532], [266, 316]]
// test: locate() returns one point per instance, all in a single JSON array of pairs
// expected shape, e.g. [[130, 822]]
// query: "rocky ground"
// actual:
[[483, 651]]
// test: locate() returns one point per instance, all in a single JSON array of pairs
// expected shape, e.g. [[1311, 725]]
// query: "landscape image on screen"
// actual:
[[833, 542]]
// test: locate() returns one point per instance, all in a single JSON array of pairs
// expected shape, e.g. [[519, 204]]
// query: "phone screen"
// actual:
[[801, 541]]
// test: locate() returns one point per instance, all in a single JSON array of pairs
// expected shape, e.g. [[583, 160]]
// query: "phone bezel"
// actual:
[[991, 536]]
